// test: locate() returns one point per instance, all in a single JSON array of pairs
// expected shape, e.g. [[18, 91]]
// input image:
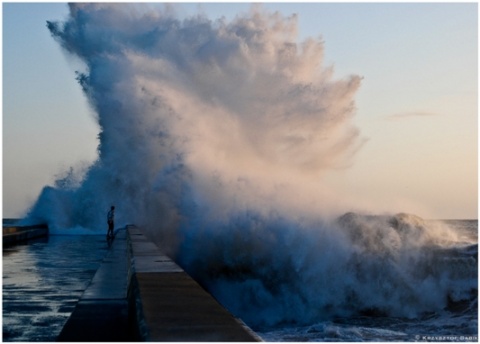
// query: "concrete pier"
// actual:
[[139, 294], [13, 234], [101, 315]]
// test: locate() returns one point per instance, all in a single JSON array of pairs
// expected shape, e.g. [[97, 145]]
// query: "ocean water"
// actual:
[[457, 321], [43, 281]]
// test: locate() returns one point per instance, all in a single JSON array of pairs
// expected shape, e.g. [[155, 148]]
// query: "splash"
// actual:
[[226, 115], [214, 137], [272, 271]]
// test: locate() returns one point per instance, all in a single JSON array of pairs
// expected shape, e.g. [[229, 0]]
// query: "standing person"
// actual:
[[110, 219]]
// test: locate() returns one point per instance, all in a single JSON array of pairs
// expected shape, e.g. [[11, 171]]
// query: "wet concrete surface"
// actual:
[[173, 307], [102, 313], [79, 289], [43, 281], [142, 295]]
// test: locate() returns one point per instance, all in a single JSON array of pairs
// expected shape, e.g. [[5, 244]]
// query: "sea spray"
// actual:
[[214, 137], [245, 115], [270, 270]]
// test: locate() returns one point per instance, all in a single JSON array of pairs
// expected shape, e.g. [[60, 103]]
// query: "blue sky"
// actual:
[[417, 106]]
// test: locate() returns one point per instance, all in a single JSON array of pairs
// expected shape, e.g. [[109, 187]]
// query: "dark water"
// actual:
[[43, 281]]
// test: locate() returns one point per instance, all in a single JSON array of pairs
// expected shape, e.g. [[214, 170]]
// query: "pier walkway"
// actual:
[[139, 294]]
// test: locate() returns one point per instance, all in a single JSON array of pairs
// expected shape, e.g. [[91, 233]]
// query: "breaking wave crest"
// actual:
[[273, 271]]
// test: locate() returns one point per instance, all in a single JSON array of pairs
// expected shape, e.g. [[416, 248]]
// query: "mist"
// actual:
[[225, 115]]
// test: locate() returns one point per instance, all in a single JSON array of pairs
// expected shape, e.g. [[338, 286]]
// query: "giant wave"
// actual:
[[214, 137]]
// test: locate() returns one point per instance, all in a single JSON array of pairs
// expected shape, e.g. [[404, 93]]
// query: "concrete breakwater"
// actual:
[[139, 294], [13, 234]]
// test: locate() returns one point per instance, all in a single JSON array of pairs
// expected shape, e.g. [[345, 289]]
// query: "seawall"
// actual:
[[139, 294], [13, 234]]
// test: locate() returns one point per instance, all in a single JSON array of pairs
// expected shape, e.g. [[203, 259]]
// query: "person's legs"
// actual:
[[110, 230]]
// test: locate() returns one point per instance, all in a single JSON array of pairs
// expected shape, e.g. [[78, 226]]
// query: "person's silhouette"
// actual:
[[110, 221]]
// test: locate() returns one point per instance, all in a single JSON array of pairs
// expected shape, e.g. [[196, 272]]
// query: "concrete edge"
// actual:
[[142, 324], [111, 308], [16, 234], [102, 312], [135, 308]]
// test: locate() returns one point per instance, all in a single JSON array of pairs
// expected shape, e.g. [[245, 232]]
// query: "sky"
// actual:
[[417, 106]]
